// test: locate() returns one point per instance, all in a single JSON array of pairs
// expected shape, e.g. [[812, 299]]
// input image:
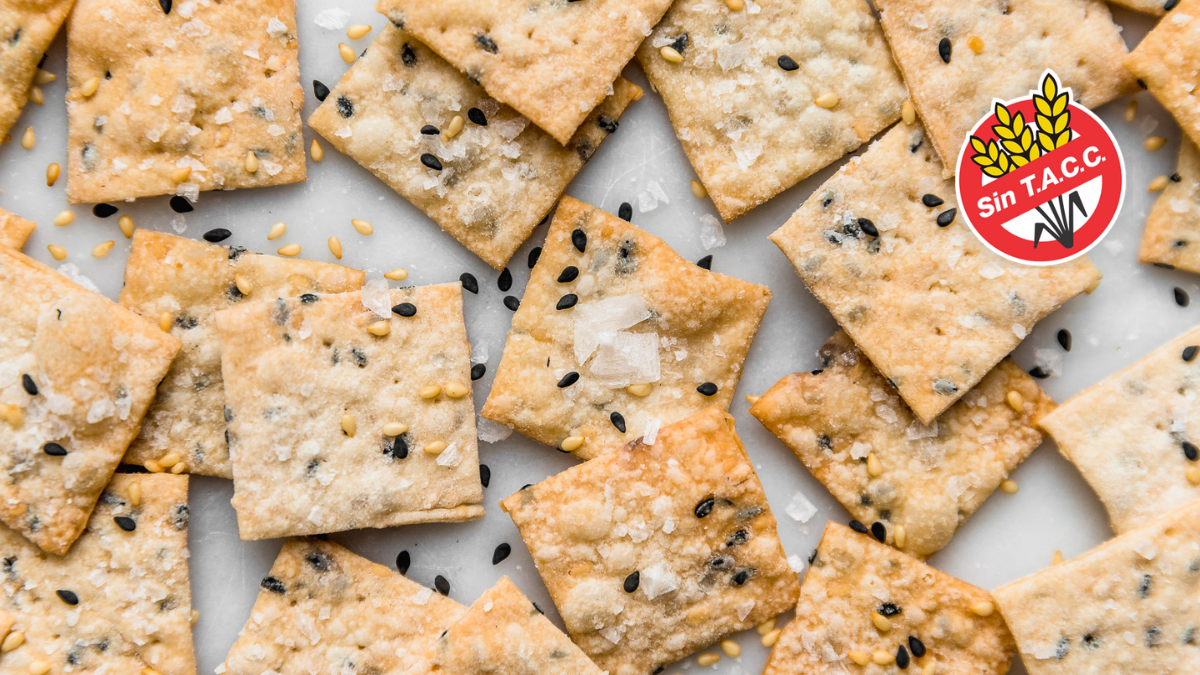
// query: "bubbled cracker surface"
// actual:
[[1128, 607], [135, 604], [1167, 60], [852, 576], [498, 181], [552, 61], [191, 280], [27, 27], [504, 633], [200, 87], [917, 299], [750, 129], [1077, 39], [705, 323], [634, 508], [1125, 432], [96, 366], [323, 608], [14, 230], [1172, 235], [292, 369], [934, 477]]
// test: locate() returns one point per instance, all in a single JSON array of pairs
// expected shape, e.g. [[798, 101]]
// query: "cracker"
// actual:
[[1127, 434], [28, 27], [296, 370], [324, 609], [1166, 61], [852, 577], [688, 516], [189, 281], [551, 61], [498, 181], [1077, 39], [699, 330], [14, 230], [134, 605], [504, 633], [1127, 607], [751, 129], [934, 477], [1172, 236], [201, 87], [95, 366], [931, 307]]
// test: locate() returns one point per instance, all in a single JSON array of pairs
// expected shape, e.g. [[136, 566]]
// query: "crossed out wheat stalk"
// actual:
[[1021, 143]]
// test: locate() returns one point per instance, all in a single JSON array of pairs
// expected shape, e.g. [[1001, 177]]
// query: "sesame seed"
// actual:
[[362, 227], [1190, 451], [983, 608], [1039, 373], [1064, 338], [277, 231], [929, 669], [1009, 486], [44, 77], [164, 321], [944, 49], [534, 254], [217, 235], [152, 466], [405, 309], [568, 380], [64, 218], [879, 531], [1159, 183], [430, 392], [12, 641], [707, 389], [618, 421], [771, 638], [317, 152], [975, 43], [1193, 475], [946, 217], [290, 250], [706, 660], [54, 450], [358, 31], [766, 626], [828, 100], [1170, 5], [477, 117], [349, 426], [569, 274], [126, 225], [403, 561], [441, 584], [125, 523], [150, 671], [431, 161], [504, 282], [501, 553], [251, 163], [57, 252], [572, 443], [882, 658], [90, 86], [567, 301], [243, 284], [861, 658], [699, 190], [28, 139], [430, 130], [908, 112], [1131, 110], [632, 581], [435, 448], [705, 263], [512, 303], [347, 53], [735, 5], [1155, 142], [704, 508], [135, 494], [379, 328], [868, 227], [902, 657], [398, 274], [881, 622], [485, 475], [874, 466], [478, 371], [932, 200], [641, 390], [898, 536], [15, 416], [29, 385], [181, 174], [579, 239], [394, 429], [731, 648], [455, 126], [320, 90], [456, 390], [858, 527], [181, 205], [100, 250], [335, 247], [469, 282], [68, 597], [1181, 297], [917, 647], [39, 667], [671, 54], [1189, 353], [52, 173], [179, 468], [752, 399]]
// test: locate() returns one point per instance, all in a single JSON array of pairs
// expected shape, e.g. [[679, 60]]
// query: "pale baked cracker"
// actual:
[[96, 366], [1166, 62], [14, 230], [498, 181], [1126, 433], [504, 633], [1127, 607], [551, 61], [931, 307], [934, 477], [323, 609], [201, 87], [190, 280], [852, 576], [293, 368], [134, 606], [751, 129], [705, 323], [1077, 39], [27, 27], [636, 508], [1172, 235]]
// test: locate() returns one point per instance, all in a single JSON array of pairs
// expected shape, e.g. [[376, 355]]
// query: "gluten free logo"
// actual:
[[1040, 180]]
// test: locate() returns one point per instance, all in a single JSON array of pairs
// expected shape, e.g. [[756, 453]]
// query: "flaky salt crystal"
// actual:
[[223, 116], [377, 297], [489, 431], [1049, 360], [860, 450], [651, 434], [796, 562], [1019, 331], [886, 413], [450, 456], [732, 56], [800, 508], [422, 596], [1146, 549], [657, 580], [991, 270], [511, 128], [195, 28], [917, 431], [332, 19], [624, 358], [712, 235], [275, 27], [70, 271], [746, 152], [606, 316]]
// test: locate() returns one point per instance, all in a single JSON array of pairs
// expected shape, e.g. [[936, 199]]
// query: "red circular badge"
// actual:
[[1040, 179]]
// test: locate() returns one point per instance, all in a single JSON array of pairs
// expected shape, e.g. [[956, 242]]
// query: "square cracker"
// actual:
[[504, 633], [934, 477], [552, 61], [1172, 236], [1127, 607], [190, 281], [296, 370], [323, 609], [27, 28], [201, 87], [1126, 433], [1166, 61], [498, 181], [14, 230], [702, 324], [95, 365], [751, 129], [134, 606], [931, 307], [852, 577], [684, 521], [1077, 39]]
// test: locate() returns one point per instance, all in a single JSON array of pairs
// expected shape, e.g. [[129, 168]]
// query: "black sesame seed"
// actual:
[[579, 239], [405, 309], [625, 212], [569, 274], [1145, 585], [1039, 372], [68, 597], [1141, 83], [469, 282], [932, 200], [485, 475], [126, 523], [408, 56], [705, 263], [680, 43], [54, 450], [166, 6], [902, 658], [1189, 352], [742, 576], [632, 581], [441, 584], [618, 421], [181, 205], [946, 217], [274, 585], [889, 609], [707, 389], [879, 531], [430, 130], [217, 235], [568, 380], [705, 507], [431, 161], [478, 371], [1064, 338], [534, 254], [1191, 451], [608, 124], [345, 107], [476, 115], [320, 90], [505, 281], [403, 561], [1170, 5], [944, 49], [29, 385], [1181, 297], [567, 301], [917, 647], [1176, 178], [486, 43], [740, 537], [309, 298], [512, 303], [103, 210], [787, 63], [858, 527], [868, 227], [501, 553]]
